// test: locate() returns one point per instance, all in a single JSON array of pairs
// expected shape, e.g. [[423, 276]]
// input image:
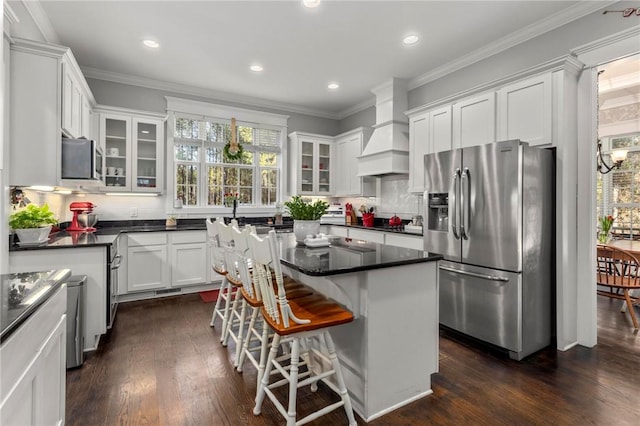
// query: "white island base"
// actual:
[[389, 352]]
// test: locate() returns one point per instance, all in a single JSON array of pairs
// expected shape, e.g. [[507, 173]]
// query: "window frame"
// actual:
[[181, 108], [606, 206]]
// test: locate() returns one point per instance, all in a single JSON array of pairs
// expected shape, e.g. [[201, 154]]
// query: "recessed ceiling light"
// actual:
[[410, 39], [145, 131], [333, 86], [311, 3], [151, 43], [256, 68]]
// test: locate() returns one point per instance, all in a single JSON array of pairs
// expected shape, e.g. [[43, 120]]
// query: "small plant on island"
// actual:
[[303, 209]]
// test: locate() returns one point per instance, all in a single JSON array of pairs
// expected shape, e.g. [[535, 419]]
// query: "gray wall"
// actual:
[[146, 99], [364, 118]]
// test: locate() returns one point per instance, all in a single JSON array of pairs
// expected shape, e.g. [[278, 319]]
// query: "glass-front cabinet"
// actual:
[[133, 147], [311, 164]]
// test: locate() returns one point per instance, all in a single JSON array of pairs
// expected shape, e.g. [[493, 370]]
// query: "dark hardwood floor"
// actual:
[[162, 364]]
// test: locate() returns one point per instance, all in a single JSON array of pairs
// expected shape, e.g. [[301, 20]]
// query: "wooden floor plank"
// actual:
[[162, 364]]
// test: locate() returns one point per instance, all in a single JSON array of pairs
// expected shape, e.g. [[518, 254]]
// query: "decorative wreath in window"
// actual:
[[227, 150], [233, 150]]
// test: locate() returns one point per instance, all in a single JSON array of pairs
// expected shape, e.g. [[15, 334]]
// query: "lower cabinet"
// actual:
[[147, 261], [89, 261], [402, 240], [162, 260], [33, 364], [188, 258], [390, 238]]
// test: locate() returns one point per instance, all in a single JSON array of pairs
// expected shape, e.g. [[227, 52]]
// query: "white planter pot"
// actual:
[[302, 228], [33, 235]]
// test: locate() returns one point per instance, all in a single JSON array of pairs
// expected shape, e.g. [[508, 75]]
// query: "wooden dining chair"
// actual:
[[295, 322], [619, 271], [226, 292]]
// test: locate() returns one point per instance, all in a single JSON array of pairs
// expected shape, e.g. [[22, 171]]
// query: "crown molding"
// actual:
[[40, 18], [357, 108], [527, 33], [9, 15], [202, 92]]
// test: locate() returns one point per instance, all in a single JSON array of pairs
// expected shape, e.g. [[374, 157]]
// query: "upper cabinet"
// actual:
[[348, 147], [525, 110], [474, 121], [311, 164], [429, 132], [134, 150], [49, 98]]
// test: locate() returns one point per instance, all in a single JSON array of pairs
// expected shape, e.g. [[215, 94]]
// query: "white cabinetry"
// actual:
[[348, 147], [134, 151], [402, 240], [474, 121], [147, 261], [76, 106], [363, 234], [525, 111], [47, 93], [162, 260], [33, 365], [311, 164], [188, 257], [429, 132], [418, 147], [89, 261]]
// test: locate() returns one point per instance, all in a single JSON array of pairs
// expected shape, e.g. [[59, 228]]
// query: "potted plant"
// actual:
[[306, 216], [33, 223]]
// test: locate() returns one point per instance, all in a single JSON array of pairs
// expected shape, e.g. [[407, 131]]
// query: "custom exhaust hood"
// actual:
[[387, 151]]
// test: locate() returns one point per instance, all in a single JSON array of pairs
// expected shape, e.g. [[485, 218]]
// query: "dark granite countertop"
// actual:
[[346, 255], [382, 228], [22, 293], [108, 231]]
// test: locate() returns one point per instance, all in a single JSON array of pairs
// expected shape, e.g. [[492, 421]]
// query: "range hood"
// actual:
[[387, 151]]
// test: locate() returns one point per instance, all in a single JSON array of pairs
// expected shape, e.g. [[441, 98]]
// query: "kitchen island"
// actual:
[[390, 350], [33, 310]]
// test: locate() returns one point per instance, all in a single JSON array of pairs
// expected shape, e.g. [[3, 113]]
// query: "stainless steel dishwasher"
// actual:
[[75, 320]]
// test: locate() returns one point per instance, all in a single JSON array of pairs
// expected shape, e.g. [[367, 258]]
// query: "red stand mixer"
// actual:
[[83, 217]]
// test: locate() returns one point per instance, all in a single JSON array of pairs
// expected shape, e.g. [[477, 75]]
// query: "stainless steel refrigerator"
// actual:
[[490, 212]]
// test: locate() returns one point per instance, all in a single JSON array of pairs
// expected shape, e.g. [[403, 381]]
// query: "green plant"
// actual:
[[303, 209], [32, 217]]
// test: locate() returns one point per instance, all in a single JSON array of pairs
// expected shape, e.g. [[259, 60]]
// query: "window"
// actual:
[[204, 177], [618, 192]]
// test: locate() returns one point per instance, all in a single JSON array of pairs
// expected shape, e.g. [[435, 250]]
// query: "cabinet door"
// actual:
[[188, 264], [307, 163], [440, 129], [323, 177], [147, 268], [347, 181], [71, 104], [147, 155], [418, 147], [525, 111], [67, 96], [87, 119], [474, 121], [116, 134], [361, 234], [406, 241]]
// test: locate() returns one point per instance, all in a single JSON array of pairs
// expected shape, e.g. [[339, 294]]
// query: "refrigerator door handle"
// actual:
[[456, 191], [465, 205], [476, 275]]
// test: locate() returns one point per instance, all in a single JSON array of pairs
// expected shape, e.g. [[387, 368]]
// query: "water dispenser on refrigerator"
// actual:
[[438, 211]]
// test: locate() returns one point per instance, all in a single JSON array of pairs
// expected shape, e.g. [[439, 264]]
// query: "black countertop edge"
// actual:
[[432, 257], [382, 228], [65, 239], [57, 277]]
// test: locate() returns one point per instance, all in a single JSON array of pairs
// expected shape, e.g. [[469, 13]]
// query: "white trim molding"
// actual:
[[223, 111]]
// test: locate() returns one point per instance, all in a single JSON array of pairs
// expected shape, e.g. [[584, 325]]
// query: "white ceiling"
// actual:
[[209, 45]]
